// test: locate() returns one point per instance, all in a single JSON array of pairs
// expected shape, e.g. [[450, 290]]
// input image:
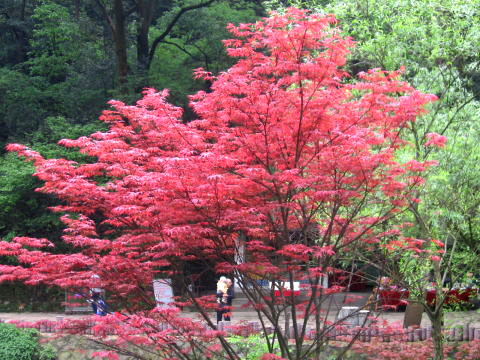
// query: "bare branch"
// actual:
[[172, 23], [106, 16], [178, 47]]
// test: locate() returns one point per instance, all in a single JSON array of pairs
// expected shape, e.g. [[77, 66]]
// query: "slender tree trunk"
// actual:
[[19, 33], [77, 10], [22, 46], [22, 10], [437, 315], [437, 322], [120, 44], [145, 10]]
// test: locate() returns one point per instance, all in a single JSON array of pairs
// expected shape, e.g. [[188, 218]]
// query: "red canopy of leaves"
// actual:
[[285, 141]]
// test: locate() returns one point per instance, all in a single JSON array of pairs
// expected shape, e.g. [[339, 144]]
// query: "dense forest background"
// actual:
[[62, 60]]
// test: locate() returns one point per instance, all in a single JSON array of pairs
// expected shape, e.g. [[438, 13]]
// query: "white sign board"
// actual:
[[162, 288], [325, 281]]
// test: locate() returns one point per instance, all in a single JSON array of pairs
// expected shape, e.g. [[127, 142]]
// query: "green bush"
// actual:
[[22, 344], [252, 347]]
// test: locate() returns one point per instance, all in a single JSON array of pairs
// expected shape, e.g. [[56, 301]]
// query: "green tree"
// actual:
[[54, 42], [187, 47], [25, 212], [437, 43], [15, 30], [23, 104], [140, 27]]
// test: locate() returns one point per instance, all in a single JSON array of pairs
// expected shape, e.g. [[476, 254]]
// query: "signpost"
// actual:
[[162, 288]]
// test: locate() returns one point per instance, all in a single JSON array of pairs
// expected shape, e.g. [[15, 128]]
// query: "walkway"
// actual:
[[451, 319]]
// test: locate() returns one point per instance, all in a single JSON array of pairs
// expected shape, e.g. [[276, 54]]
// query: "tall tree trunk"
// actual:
[[120, 44], [145, 12], [437, 315], [22, 46], [22, 10], [437, 322], [77, 10], [20, 35]]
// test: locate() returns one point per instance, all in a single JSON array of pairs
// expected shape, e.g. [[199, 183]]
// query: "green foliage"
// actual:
[[65, 75], [19, 204], [53, 129], [22, 344], [437, 43], [415, 34], [253, 346], [455, 186], [24, 212], [47, 352], [415, 272], [195, 42], [53, 42], [17, 297], [23, 104], [66, 53]]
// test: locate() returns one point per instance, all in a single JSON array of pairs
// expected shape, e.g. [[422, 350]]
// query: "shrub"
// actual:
[[252, 347], [22, 344]]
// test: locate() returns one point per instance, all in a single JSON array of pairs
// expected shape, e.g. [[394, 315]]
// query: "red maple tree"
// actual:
[[289, 157]]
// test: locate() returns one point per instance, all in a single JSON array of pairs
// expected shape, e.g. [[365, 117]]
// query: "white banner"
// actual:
[[162, 288]]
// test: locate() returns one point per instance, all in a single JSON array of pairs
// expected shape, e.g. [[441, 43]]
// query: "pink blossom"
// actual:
[[435, 139]]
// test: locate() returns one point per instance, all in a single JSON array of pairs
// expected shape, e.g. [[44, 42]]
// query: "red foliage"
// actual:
[[399, 350], [284, 143]]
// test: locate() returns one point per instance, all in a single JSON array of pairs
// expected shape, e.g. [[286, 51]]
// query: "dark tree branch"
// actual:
[[178, 47], [106, 16], [131, 10], [205, 56], [22, 10], [172, 23]]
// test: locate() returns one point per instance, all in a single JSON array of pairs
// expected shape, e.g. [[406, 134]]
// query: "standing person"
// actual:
[[99, 306], [229, 296], [222, 289]]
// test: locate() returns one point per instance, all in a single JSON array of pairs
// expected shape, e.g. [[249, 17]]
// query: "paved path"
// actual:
[[451, 319]]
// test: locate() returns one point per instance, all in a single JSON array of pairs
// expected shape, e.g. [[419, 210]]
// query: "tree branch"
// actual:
[[179, 47], [106, 16], [130, 11], [172, 23], [205, 56]]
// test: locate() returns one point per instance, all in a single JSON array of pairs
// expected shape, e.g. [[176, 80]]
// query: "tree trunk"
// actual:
[[437, 321], [120, 45], [145, 11], [413, 315], [22, 46], [22, 10], [77, 10], [437, 315], [19, 33]]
